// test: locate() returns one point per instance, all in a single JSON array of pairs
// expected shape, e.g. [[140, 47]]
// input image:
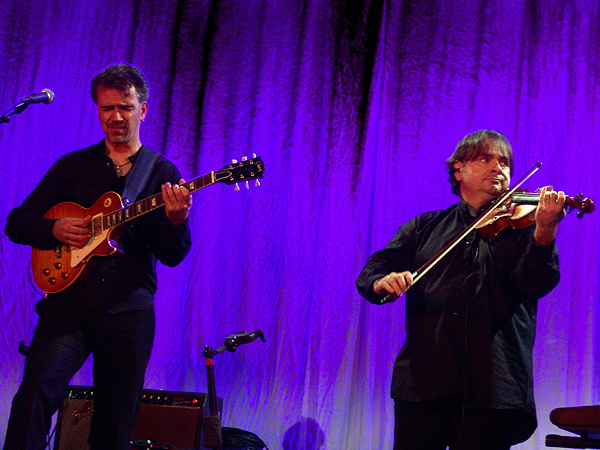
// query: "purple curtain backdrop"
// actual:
[[354, 108]]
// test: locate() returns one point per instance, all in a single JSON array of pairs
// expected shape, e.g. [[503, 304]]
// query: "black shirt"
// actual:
[[470, 321], [125, 280]]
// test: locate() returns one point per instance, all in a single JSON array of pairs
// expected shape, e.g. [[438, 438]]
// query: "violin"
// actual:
[[518, 211], [514, 208]]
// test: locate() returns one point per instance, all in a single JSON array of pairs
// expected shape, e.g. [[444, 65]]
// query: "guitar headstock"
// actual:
[[244, 170]]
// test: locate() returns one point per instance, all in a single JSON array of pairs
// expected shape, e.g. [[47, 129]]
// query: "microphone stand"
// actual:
[[18, 108], [212, 424]]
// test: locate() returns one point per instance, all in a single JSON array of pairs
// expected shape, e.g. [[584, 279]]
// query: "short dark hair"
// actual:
[[122, 77], [473, 145]]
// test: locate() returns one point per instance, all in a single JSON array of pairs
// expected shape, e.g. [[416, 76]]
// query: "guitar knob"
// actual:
[[46, 272], [64, 275], [52, 281], [57, 266]]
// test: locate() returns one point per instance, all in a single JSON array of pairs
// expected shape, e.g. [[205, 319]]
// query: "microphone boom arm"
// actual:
[[47, 96]]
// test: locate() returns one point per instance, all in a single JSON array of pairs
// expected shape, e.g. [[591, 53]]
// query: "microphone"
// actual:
[[46, 96], [231, 342]]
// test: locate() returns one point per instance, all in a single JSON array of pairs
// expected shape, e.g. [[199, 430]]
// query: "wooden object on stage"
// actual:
[[584, 421]]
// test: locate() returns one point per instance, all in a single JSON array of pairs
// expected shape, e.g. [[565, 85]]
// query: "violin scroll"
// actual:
[[585, 206]]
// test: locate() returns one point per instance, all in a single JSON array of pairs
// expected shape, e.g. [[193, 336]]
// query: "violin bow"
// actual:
[[421, 271]]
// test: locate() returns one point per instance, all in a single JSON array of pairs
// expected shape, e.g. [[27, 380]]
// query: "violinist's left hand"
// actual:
[[548, 214], [178, 202]]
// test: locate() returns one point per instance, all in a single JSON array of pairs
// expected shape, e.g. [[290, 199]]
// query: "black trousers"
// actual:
[[441, 424], [64, 337]]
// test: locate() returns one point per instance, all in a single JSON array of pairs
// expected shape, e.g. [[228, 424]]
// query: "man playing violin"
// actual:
[[463, 378]]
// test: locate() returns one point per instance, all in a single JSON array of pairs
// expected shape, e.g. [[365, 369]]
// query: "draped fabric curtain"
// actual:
[[354, 108]]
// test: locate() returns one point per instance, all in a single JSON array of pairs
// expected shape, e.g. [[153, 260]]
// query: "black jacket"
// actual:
[[470, 321]]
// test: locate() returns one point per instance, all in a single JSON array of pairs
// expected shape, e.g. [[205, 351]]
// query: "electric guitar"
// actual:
[[60, 268]]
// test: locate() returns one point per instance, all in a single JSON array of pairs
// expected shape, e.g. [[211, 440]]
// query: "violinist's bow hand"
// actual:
[[393, 285]]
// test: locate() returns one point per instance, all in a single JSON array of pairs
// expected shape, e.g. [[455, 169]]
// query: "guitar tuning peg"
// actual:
[[237, 187], [234, 161], [257, 183], [244, 158], [247, 186], [253, 155]]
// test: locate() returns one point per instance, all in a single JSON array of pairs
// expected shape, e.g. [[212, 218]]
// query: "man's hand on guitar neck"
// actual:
[[74, 232], [178, 202]]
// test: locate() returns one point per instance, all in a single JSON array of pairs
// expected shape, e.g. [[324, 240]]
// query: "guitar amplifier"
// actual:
[[165, 417]]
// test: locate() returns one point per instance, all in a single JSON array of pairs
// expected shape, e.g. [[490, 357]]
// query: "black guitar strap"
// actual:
[[138, 175]]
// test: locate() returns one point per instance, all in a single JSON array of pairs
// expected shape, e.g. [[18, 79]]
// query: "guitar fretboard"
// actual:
[[148, 204], [232, 173]]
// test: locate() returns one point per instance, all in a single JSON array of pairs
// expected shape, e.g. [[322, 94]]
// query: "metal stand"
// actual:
[[17, 109], [212, 424]]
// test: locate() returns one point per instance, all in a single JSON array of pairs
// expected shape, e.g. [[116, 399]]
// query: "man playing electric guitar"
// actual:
[[109, 312]]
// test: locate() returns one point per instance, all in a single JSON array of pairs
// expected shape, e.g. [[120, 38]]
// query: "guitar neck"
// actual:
[[151, 203], [232, 173]]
